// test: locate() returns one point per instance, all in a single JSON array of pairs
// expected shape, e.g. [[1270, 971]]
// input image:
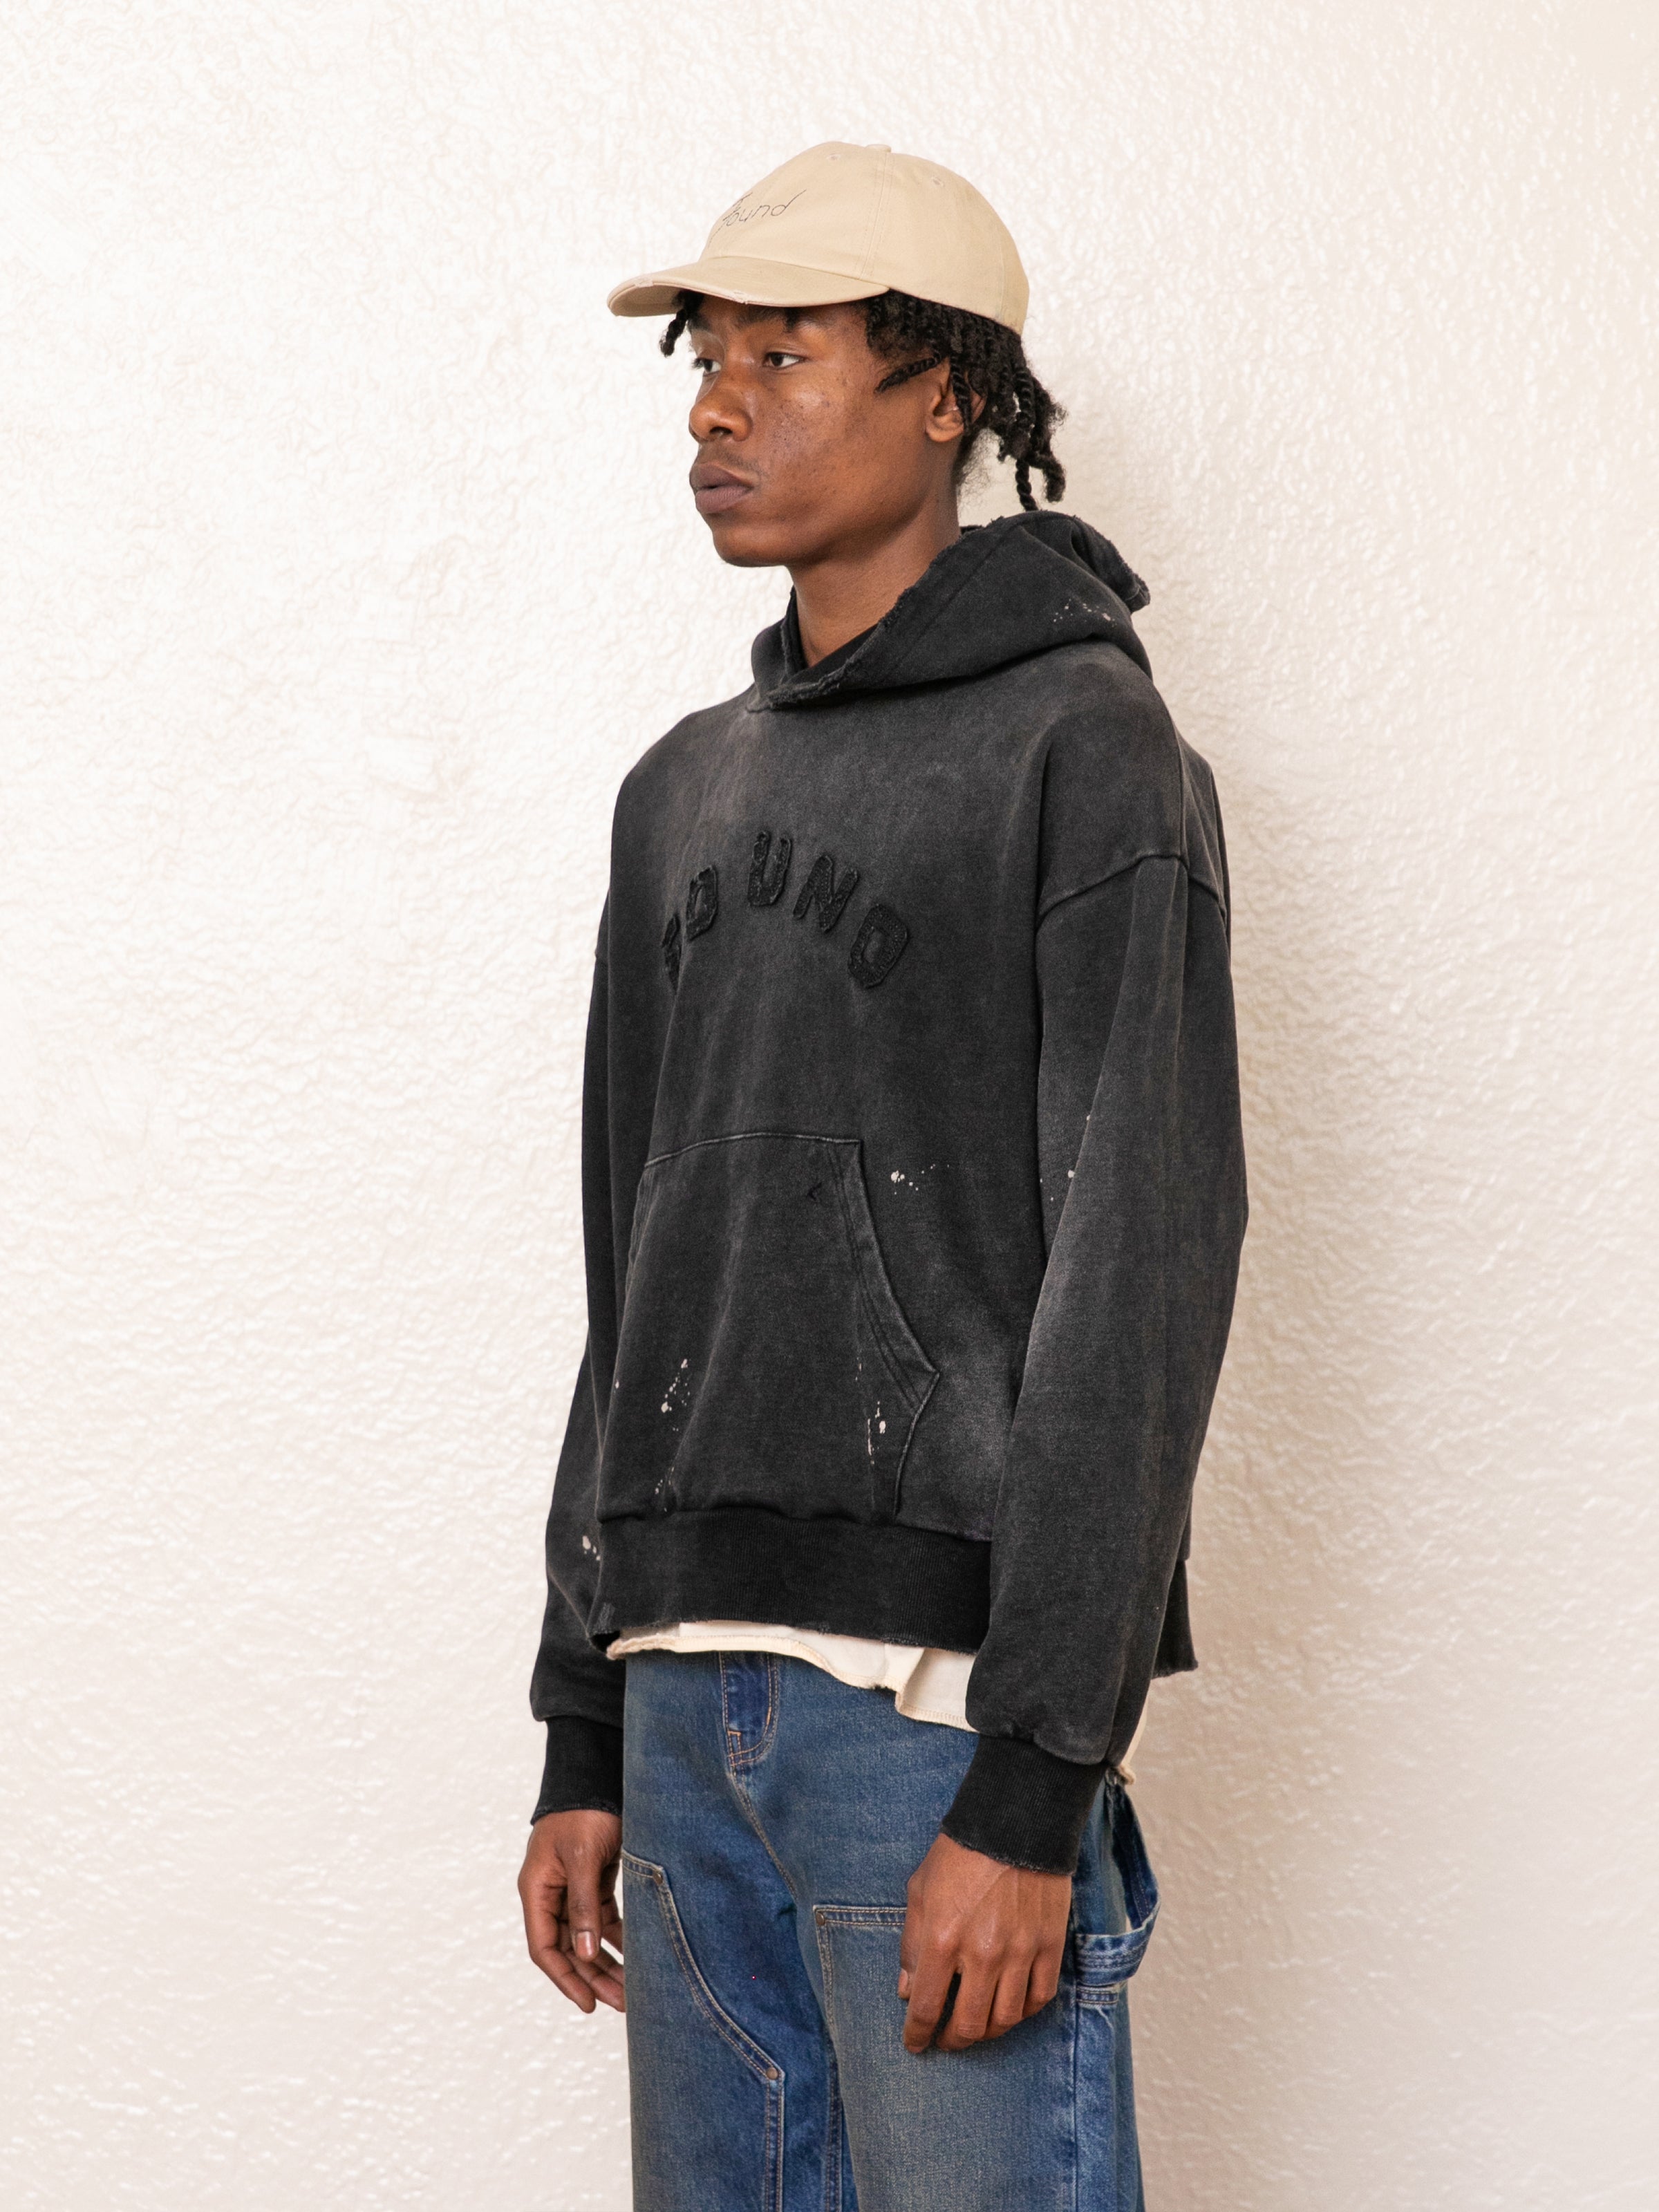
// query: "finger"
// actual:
[[909, 1944], [609, 1960], [930, 1990], [564, 1973], [1008, 2006], [544, 1916], [1044, 1981], [972, 2008], [606, 1977], [584, 1907]]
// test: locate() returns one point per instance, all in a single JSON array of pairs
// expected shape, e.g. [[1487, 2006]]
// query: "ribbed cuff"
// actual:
[[584, 1768], [1020, 1804]]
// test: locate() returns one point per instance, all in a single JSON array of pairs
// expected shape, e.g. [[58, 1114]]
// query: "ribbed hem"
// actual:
[[1020, 1804], [583, 1770], [877, 1579]]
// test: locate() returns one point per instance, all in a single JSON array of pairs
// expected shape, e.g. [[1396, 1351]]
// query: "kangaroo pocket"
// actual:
[[763, 1358]]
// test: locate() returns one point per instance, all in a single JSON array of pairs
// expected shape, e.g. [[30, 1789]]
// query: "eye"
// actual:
[[701, 363], [779, 359]]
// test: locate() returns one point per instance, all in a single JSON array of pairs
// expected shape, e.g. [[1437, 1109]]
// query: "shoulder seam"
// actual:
[[1098, 882]]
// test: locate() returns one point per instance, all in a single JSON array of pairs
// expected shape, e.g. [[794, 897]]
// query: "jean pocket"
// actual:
[[940, 2130], [1097, 1971], [859, 1960], [764, 1357], [1099, 1965], [707, 2100]]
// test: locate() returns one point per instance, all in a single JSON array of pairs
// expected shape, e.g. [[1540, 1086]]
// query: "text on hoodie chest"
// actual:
[[823, 893]]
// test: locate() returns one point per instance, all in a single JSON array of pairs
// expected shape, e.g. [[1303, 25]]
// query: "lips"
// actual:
[[716, 488]]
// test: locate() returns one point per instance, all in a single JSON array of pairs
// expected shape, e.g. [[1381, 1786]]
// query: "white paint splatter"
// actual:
[[912, 1182]]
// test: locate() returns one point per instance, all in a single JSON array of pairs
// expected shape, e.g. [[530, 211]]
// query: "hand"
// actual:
[[567, 1887], [1001, 1928]]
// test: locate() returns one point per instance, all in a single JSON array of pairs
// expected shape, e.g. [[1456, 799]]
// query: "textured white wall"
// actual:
[[347, 565]]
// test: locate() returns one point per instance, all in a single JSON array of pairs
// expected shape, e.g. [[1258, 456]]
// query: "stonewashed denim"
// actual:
[[772, 1818]]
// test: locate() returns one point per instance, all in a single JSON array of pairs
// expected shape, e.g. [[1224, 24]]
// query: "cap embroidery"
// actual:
[[739, 213]]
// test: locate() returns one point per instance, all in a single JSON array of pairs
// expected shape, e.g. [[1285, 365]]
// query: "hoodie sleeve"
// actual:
[[1142, 1166], [574, 1688]]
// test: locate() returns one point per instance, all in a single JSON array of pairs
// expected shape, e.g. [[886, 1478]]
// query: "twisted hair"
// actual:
[[990, 378], [684, 307], [988, 365]]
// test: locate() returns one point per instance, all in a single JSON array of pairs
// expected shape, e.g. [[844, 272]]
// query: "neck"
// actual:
[[849, 588]]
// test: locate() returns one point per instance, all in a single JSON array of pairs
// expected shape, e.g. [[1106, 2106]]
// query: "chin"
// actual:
[[746, 544], [749, 550]]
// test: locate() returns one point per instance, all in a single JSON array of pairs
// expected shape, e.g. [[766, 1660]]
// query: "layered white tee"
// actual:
[[928, 1685]]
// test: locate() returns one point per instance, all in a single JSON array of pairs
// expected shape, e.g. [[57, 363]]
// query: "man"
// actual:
[[914, 1192]]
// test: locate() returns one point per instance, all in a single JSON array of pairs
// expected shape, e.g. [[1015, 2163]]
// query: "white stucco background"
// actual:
[[347, 565]]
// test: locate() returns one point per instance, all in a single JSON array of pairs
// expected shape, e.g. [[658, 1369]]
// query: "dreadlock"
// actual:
[[990, 378]]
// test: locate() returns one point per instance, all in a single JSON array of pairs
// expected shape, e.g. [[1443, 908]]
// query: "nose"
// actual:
[[721, 408]]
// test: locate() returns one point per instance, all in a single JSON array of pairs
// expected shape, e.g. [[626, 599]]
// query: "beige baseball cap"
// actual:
[[844, 222]]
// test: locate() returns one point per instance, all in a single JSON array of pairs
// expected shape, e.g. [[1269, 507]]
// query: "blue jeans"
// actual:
[[773, 1819]]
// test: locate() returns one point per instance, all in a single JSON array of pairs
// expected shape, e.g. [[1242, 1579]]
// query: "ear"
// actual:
[[943, 422]]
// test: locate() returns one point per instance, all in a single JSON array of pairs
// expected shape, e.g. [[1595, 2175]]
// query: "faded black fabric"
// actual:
[[582, 1771], [913, 1178]]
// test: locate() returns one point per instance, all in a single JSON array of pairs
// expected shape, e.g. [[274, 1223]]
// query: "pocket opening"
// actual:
[[764, 1359], [761, 2064]]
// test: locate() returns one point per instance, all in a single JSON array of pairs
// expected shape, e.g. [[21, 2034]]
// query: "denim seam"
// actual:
[[1074, 2157], [834, 2195], [744, 1760], [827, 1968], [764, 2068], [737, 1766], [754, 1821]]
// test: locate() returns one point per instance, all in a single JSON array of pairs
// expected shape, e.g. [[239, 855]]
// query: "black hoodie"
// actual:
[[913, 1179]]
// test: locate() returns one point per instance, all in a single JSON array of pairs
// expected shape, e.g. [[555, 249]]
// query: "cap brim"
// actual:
[[751, 284]]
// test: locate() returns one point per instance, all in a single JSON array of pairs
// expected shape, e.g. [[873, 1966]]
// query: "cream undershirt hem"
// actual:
[[927, 1684]]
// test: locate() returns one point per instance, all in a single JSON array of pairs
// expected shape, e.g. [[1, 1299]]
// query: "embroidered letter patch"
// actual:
[[766, 883], [876, 950], [823, 890], [702, 905], [882, 937]]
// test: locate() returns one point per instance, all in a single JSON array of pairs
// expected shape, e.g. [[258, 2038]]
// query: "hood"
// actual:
[[1004, 590]]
